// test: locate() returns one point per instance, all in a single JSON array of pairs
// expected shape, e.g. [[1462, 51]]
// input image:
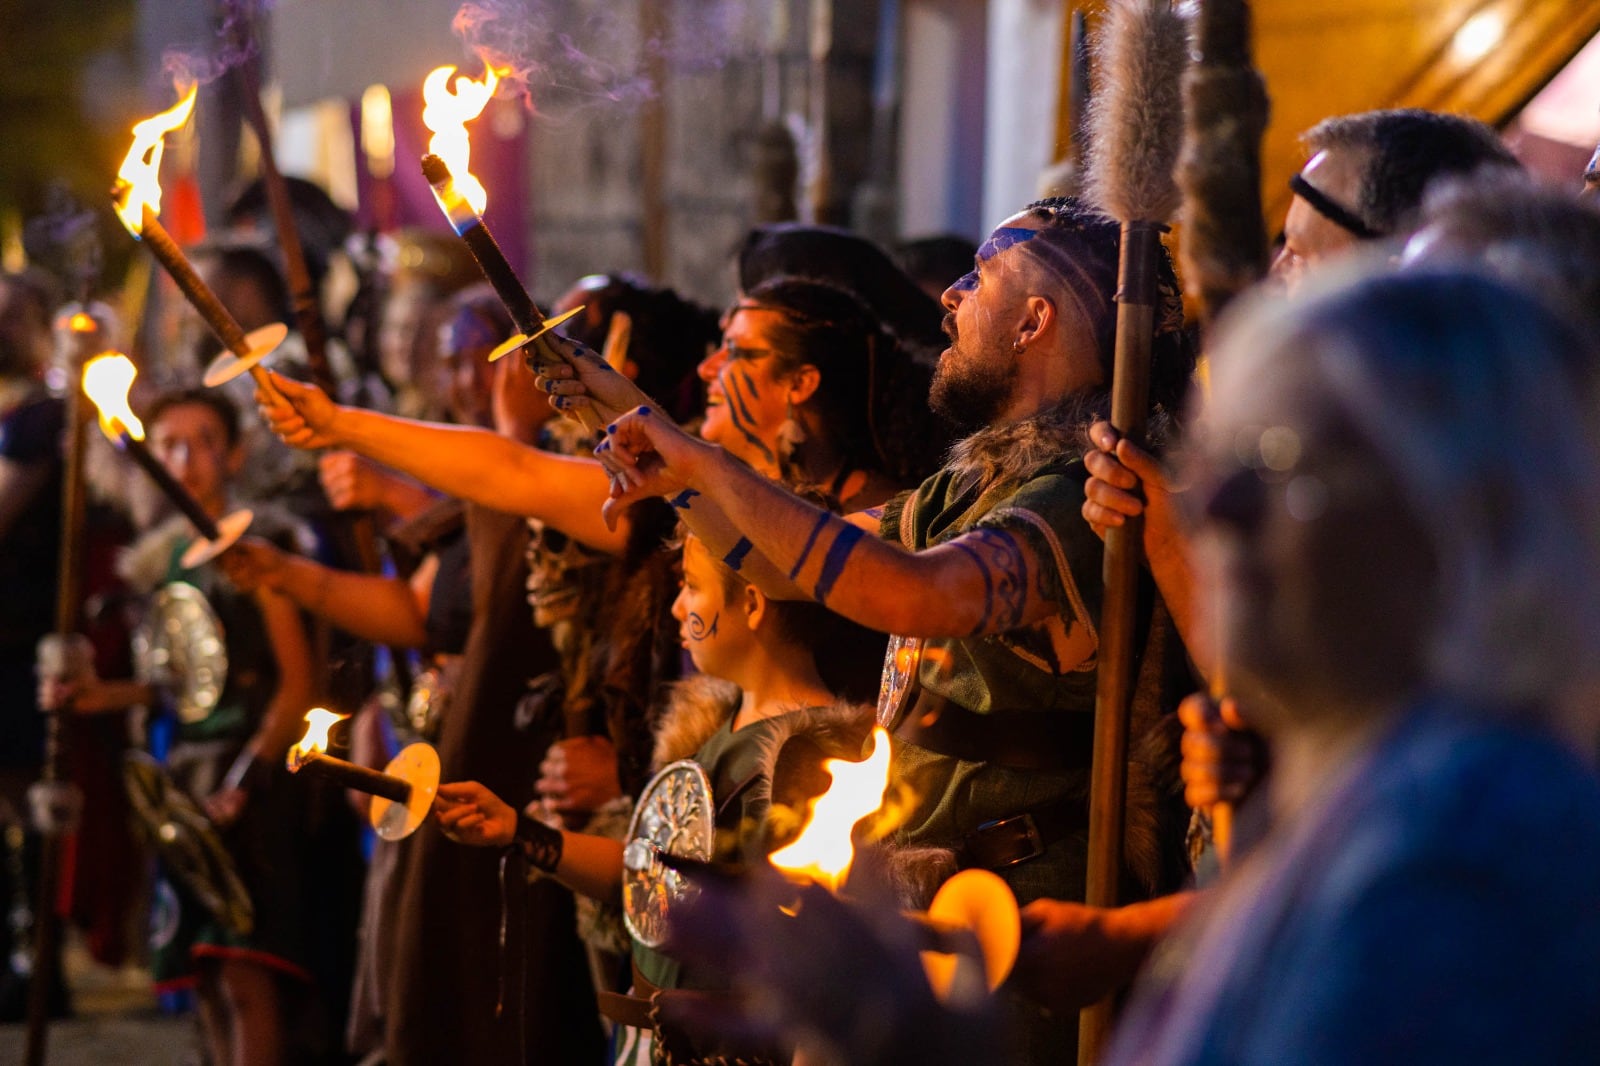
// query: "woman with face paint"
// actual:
[[760, 690], [799, 388]]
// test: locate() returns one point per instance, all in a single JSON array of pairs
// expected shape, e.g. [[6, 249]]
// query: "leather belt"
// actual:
[[1007, 841], [1021, 740]]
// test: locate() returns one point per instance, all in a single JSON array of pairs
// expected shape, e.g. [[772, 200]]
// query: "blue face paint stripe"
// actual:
[[811, 542], [833, 562], [739, 424], [734, 560], [750, 385], [730, 385], [967, 282], [680, 502], [988, 588], [1003, 238]]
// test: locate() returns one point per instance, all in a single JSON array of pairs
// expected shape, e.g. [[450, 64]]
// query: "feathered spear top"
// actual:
[[1136, 129], [1136, 113]]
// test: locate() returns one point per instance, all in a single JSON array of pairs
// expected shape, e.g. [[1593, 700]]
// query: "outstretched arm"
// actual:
[[984, 581], [469, 813], [388, 610], [470, 463]]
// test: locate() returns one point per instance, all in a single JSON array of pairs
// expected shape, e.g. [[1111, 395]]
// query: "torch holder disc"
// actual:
[[522, 340], [979, 901], [230, 528], [418, 766], [259, 343]]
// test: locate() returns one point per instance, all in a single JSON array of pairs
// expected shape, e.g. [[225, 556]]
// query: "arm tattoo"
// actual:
[[999, 559], [734, 560], [811, 542], [833, 563], [680, 502]]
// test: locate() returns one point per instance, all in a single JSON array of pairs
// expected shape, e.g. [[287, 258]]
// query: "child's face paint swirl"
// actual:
[[697, 629], [698, 612]]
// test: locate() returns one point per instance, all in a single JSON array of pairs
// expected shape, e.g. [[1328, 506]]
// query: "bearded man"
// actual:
[[986, 573]]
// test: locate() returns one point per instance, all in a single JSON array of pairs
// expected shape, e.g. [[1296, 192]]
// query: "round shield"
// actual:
[[180, 646], [187, 842], [674, 815], [900, 662]]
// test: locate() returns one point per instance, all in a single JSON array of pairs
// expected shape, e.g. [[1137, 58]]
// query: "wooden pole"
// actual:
[[307, 307], [1114, 679], [69, 598], [1136, 120], [1219, 171], [654, 28]]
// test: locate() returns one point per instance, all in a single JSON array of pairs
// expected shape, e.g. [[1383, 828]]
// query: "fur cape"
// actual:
[[1004, 456], [791, 753]]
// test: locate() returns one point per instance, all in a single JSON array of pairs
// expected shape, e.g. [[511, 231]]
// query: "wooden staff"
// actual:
[[1225, 238], [307, 308], [87, 341], [1135, 126]]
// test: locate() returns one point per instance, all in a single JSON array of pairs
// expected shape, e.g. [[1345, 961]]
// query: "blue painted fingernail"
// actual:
[[644, 410], [612, 428]]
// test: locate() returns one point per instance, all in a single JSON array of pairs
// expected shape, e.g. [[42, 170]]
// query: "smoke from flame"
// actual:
[[140, 173], [561, 59], [823, 852]]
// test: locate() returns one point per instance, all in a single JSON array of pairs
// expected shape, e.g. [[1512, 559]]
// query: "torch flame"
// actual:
[[447, 108], [318, 721], [823, 852], [139, 180], [106, 381]]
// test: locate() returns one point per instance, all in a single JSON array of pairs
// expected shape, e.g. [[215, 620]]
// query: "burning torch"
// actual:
[[971, 932], [137, 198], [450, 101], [402, 793], [106, 380]]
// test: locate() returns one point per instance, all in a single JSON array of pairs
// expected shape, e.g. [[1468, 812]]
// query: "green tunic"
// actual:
[[1045, 668]]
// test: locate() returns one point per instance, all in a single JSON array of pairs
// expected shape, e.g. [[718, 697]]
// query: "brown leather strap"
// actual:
[[625, 1010], [1022, 740], [1005, 842]]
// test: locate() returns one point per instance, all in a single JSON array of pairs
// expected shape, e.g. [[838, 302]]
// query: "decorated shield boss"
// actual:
[[675, 815]]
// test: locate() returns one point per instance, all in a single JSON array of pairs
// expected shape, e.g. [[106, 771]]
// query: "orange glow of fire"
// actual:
[[823, 852], [106, 381], [450, 101], [318, 721], [139, 179]]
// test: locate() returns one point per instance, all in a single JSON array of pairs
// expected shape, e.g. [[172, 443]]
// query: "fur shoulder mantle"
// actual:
[[696, 708], [1016, 451], [791, 750]]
